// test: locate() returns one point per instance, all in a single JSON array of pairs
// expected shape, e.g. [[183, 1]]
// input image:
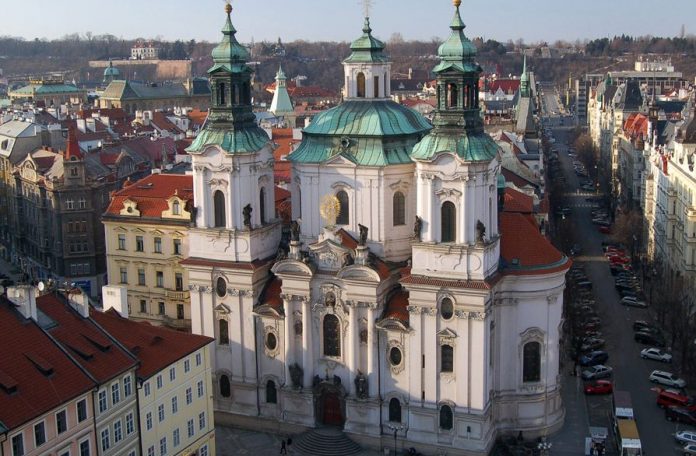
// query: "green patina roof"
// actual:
[[367, 49], [368, 118], [457, 51], [41, 89], [111, 70], [243, 141], [229, 54], [501, 182], [364, 151], [281, 102], [471, 147]]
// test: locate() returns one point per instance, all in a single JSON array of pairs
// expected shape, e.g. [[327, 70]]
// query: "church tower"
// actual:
[[368, 69], [525, 91], [235, 231], [281, 106]]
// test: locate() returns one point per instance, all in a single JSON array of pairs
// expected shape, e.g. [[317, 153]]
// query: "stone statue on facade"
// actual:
[[361, 386], [246, 213], [363, 235], [417, 227], [295, 231], [296, 374], [480, 232], [194, 213]]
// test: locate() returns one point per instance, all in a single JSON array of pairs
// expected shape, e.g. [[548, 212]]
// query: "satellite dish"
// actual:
[[42, 286]]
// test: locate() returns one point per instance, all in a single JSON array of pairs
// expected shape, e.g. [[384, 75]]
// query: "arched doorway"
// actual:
[[332, 415], [329, 401]]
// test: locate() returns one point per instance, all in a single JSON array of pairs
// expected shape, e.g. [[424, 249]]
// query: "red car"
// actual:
[[619, 260], [604, 229], [599, 387]]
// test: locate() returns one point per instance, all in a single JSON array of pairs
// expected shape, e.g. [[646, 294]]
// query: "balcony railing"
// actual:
[[177, 295], [177, 323]]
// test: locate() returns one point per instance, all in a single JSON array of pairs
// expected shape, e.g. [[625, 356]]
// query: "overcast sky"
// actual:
[[340, 20]]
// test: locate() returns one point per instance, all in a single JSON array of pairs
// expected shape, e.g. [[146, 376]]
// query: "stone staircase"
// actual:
[[325, 442]]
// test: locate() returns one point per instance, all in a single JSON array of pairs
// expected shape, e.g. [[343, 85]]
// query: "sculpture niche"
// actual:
[[296, 374], [361, 386], [246, 214]]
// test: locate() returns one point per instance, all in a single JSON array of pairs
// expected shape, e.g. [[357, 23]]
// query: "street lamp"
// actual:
[[395, 428]]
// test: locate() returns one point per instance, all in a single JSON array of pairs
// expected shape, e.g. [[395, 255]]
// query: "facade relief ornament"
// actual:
[[218, 183], [416, 310], [461, 314], [479, 316]]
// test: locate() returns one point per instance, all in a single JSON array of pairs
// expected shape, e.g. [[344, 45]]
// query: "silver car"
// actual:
[[656, 354], [595, 372], [667, 378]]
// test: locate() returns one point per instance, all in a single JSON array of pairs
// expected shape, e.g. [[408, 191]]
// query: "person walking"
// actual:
[[283, 448]]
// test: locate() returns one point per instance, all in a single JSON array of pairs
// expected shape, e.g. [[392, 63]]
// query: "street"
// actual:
[[630, 371]]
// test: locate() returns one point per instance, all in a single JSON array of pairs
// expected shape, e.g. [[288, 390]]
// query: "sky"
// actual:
[[341, 20]]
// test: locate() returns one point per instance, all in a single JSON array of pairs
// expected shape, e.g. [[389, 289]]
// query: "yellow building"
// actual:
[[175, 404], [146, 227]]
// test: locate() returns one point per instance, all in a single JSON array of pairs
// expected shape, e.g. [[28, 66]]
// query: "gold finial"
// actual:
[[228, 7], [330, 209], [456, 3]]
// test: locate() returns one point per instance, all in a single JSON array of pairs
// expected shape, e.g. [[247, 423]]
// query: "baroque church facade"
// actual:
[[406, 300]]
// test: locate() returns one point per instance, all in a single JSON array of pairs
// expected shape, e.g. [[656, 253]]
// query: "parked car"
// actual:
[[599, 387], [593, 358], [667, 378], [689, 449], [592, 344], [596, 372], [648, 339], [640, 325], [632, 302], [604, 230], [685, 436], [680, 414], [584, 284], [656, 354], [669, 397]]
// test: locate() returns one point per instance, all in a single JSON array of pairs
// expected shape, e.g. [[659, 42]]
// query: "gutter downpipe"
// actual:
[[256, 359]]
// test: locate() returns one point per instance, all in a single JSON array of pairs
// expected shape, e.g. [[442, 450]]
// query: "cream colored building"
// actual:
[[146, 227]]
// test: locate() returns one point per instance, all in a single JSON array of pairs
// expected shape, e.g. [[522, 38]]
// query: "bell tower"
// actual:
[[367, 69]]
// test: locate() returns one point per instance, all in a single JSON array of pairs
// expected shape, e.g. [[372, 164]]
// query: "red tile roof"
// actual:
[[270, 295], [283, 138], [36, 393], [349, 241], [509, 86], [636, 125], [160, 120], [155, 347], [197, 117], [516, 179], [151, 194], [72, 149], [524, 249], [516, 201], [397, 306], [89, 345]]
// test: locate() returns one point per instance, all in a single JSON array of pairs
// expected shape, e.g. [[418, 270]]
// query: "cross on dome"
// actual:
[[367, 5]]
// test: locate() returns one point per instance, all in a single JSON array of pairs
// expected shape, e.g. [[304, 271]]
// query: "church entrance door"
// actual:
[[332, 415]]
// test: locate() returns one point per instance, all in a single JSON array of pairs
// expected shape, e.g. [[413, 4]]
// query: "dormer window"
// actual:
[[176, 208]]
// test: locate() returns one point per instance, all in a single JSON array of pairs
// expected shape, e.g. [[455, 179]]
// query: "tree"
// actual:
[[628, 229]]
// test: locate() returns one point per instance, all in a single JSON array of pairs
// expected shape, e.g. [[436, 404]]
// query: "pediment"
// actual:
[[446, 334], [340, 160], [359, 273], [266, 310], [138, 230], [292, 267], [329, 255], [222, 309]]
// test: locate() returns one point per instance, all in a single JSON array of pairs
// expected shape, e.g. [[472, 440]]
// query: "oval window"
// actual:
[[446, 308], [271, 341], [221, 287], [395, 356]]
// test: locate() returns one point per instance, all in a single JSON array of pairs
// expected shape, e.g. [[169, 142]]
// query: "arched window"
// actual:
[[271, 392], [445, 418], [448, 222], [343, 214], [225, 386], [532, 362], [446, 358], [219, 204], [446, 308], [262, 205], [221, 94], [466, 96], [361, 85], [224, 332], [176, 208], [453, 95], [399, 207], [235, 94], [332, 336], [395, 410]]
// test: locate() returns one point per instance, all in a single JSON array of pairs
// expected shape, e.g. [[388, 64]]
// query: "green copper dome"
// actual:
[[476, 147], [229, 54], [111, 71], [370, 133], [457, 50], [367, 49]]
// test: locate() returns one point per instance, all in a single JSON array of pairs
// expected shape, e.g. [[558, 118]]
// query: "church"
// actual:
[[408, 304]]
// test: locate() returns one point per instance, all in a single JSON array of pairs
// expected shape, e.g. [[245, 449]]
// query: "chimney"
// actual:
[[116, 297], [79, 301], [24, 297]]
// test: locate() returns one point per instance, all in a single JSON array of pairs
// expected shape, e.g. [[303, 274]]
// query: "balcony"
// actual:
[[174, 295], [691, 212], [180, 324]]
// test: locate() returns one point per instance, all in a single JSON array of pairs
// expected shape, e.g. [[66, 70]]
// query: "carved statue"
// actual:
[[361, 386], [246, 213], [295, 231], [194, 212], [347, 259], [417, 227], [282, 254], [296, 374], [480, 232], [363, 235], [330, 300]]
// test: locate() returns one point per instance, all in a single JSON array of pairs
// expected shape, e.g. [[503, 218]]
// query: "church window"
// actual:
[[395, 410], [446, 418], [219, 205], [271, 341], [271, 392], [448, 222], [446, 358], [532, 362], [221, 94], [399, 216], [395, 356], [224, 332], [176, 208], [225, 389], [332, 334], [376, 87], [446, 308], [343, 213], [262, 205], [73, 171], [361, 85], [235, 94], [453, 95], [221, 287]]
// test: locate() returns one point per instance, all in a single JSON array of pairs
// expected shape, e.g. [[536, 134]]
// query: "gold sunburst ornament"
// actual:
[[330, 209]]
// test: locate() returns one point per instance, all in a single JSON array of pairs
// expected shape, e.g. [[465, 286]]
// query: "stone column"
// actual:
[[307, 348], [352, 347], [372, 355], [415, 366], [288, 338]]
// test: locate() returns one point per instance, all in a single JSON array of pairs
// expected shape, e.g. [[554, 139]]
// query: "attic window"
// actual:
[[147, 186], [83, 352], [101, 346], [156, 340], [7, 383], [41, 364]]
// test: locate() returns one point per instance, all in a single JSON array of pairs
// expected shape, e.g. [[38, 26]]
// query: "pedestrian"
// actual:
[[289, 440], [283, 449]]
